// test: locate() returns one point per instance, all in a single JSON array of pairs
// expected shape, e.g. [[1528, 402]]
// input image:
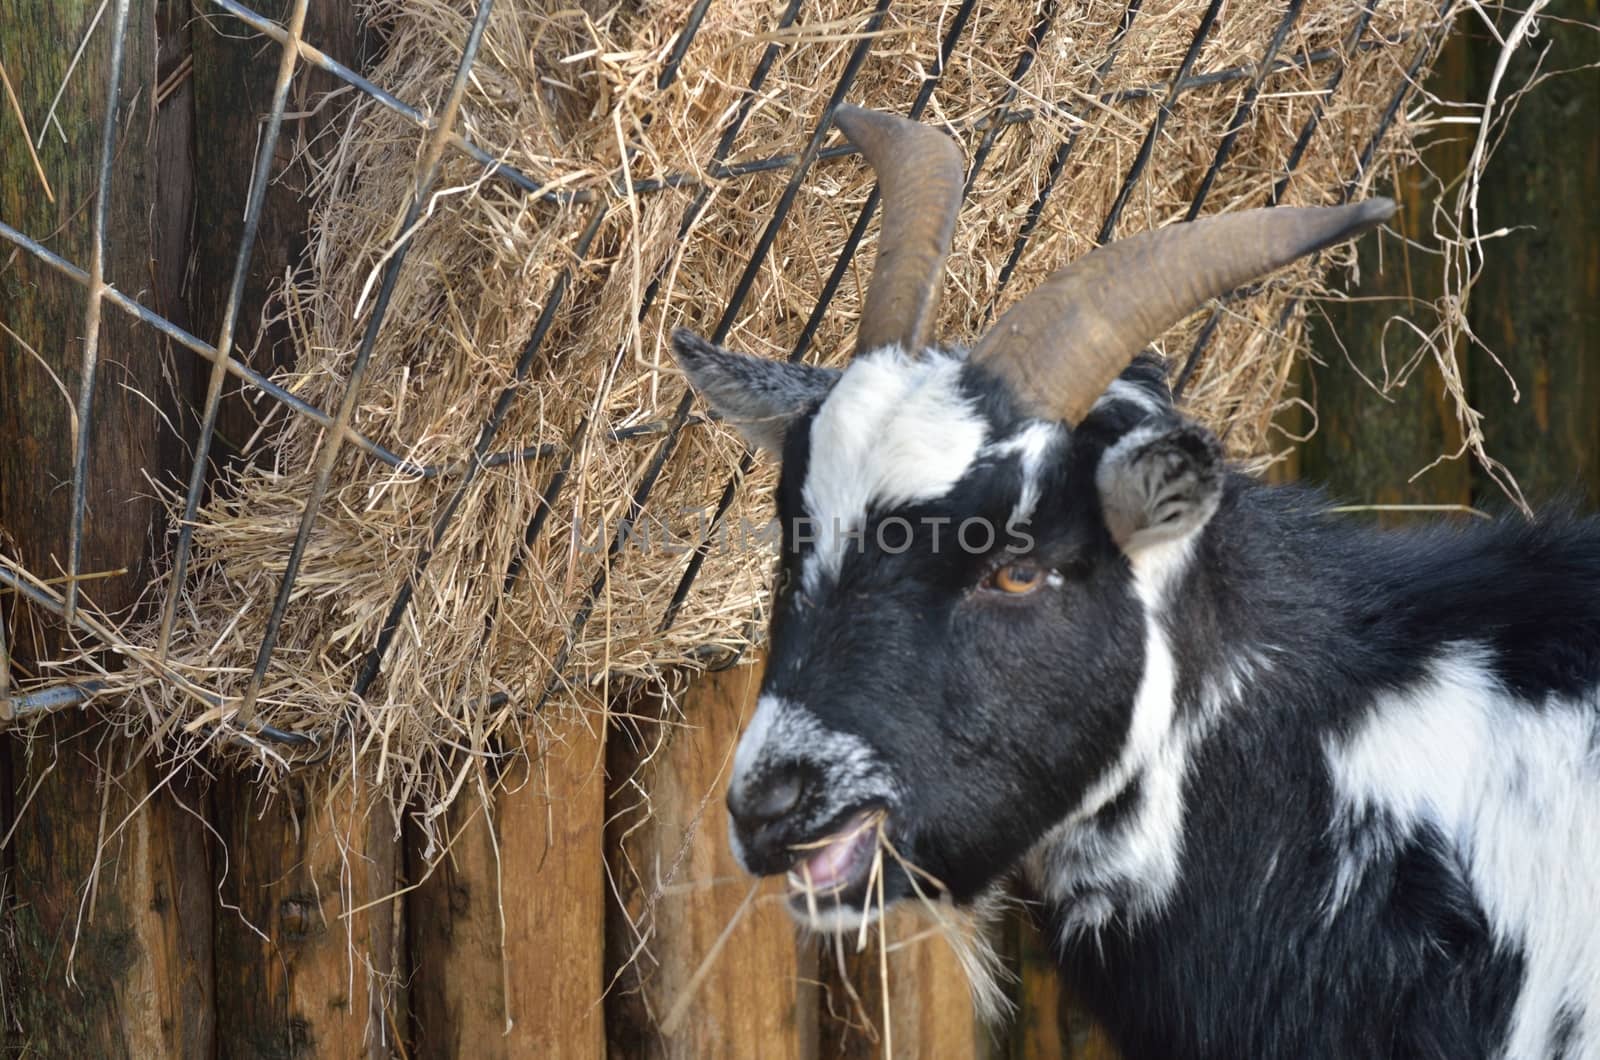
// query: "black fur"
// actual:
[[995, 715]]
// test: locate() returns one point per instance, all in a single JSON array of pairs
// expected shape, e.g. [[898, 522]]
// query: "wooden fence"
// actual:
[[219, 921]]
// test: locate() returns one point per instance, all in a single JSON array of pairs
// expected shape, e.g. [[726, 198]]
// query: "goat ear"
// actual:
[[759, 396], [1159, 484]]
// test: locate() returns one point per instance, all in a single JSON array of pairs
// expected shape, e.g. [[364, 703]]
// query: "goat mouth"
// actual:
[[838, 862]]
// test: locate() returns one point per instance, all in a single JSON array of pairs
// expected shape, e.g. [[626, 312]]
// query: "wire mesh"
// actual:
[[293, 52]]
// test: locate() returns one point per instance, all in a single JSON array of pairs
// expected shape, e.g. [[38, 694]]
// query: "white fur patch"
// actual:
[[1158, 566], [782, 732], [1515, 787], [894, 431], [1030, 446], [1122, 390], [1089, 873]]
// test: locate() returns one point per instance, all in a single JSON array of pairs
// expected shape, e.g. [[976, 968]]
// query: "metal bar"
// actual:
[[641, 495], [230, 314], [1303, 61], [300, 406], [427, 172], [1303, 141], [56, 697], [680, 47], [1241, 113], [1058, 162], [652, 185], [1019, 69], [1208, 330], [84, 425], [200, 346], [486, 435], [1147, 148], [373, 662], [425, 121], [1444, 19], [858, 231], [246, 374], [78, 693], [553, 488], [75, 693], [653, 429], [541, 512]]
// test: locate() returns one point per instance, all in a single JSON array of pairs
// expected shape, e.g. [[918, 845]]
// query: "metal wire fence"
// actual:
[[442, 137]]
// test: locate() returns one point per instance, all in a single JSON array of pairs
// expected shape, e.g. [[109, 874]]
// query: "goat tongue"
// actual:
[[841, 858]]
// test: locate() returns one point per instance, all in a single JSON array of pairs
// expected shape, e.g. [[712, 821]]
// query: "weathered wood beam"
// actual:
[[508, 929], [707, 969], [311, 941], [1538, 303], [108, 887]]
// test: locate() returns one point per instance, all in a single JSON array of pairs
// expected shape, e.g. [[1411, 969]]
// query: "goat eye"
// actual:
[[1018, 579]]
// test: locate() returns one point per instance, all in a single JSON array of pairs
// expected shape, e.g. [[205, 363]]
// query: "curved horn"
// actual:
[[1062, 345], [920, 173]]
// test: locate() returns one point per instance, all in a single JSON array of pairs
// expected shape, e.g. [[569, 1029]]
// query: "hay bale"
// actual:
[[570, 96]]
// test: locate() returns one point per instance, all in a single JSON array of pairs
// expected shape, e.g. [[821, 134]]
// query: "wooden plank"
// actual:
[[310, 955], [109, 892], [1538, 303], [1369, 446], [235, 71], [298, 977], [509, 929], [112, 927], [727, 972], [1049, 1023], [929, 1011]]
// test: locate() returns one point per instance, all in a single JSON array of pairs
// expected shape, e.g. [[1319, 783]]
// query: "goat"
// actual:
[[1279, 784]]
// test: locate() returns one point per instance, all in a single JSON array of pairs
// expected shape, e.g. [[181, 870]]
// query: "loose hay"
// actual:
[[569, 95]]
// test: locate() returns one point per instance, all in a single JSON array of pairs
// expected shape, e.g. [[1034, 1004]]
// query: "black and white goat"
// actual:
[[1283, 786]]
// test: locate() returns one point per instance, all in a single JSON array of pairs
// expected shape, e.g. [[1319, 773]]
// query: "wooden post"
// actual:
[[929, 1010], [706, 969], [1368, 446], [235, 70], [310, 943], [300, 973], [108, 892], [508, 931], [1049, 1023], [1538, 303]]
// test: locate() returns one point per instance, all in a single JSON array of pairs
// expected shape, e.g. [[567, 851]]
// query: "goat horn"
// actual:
[[1062, 345], [920, 173]]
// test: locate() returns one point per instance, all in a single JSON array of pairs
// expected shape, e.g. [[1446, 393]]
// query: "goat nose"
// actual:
[[776, 793]]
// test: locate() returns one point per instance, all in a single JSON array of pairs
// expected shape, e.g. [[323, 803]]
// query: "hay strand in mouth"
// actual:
[[883, 948], [969, 934]]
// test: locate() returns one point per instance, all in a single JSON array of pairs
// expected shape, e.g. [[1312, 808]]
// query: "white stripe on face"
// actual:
[[1030, 446], [1122, 390], [894, 431]]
